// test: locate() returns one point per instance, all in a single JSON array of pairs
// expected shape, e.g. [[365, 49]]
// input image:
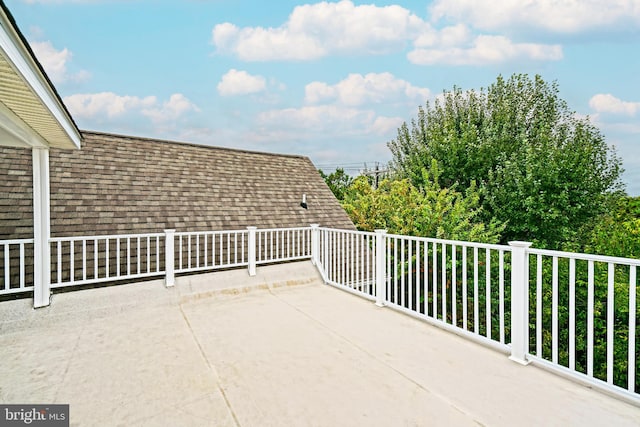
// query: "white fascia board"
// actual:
[[21, 58]]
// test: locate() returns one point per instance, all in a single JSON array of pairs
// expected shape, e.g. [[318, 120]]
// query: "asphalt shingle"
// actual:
[[121, 184]]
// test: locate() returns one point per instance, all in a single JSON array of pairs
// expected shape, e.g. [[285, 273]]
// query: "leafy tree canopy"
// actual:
[[542, 170], [338, 181], [428, 210], [615, 233]]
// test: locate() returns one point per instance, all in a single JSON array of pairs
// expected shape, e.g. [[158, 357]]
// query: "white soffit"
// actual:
[[31, 112]]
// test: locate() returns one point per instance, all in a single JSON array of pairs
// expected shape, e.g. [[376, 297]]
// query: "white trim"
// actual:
[[21, 58], [41, 228], [17, 128]]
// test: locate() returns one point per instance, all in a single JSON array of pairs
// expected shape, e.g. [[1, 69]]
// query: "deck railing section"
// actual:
[[462, 286], [584, 315], [283, 244], [203, 251], [348, 260], [575, 314], [16, 274], [85, 260]]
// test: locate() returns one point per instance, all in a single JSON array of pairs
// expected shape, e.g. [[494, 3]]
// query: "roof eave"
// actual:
[[17, 51]]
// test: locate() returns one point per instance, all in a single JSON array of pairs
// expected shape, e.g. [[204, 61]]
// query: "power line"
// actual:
[[360, 166], [355, 165], [376, 173]]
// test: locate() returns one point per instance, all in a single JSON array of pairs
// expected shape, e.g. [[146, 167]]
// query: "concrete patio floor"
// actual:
[[278, 349]]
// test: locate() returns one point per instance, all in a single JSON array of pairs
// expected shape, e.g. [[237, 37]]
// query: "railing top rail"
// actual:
[[452, 242], [104, 236], [210, 233], [586, 257], [340, 230], [284, 229], [15, 241]]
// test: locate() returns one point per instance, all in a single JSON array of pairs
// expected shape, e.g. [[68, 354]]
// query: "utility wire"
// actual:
[[376, 172]]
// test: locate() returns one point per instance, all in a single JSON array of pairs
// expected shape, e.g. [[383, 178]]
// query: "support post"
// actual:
[[169, 258], [252, 250], [381, 288], [519, 302], [41, 228], [315, 244]]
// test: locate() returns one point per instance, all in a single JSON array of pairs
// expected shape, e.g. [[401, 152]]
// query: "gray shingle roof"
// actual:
[[16, 194], [120, 184]]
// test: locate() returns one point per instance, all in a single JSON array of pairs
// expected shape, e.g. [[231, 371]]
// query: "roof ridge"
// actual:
[[183, 143]]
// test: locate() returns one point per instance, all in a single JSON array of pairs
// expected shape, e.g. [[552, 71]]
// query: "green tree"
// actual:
[[338, 181], [615, 233], [542, 170], [428, 210]]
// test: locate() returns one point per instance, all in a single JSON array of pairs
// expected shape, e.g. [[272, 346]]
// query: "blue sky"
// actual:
[[330, 80]]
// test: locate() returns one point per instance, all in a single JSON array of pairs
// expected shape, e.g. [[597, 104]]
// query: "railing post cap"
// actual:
[[315, 225], [381, 231], [170, 230], [252, 227], [520, 244]]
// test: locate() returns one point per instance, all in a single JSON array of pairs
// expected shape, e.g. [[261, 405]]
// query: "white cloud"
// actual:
[[87, 105], [558, 16], [315, 117], [448, 36], [260, 44], [316, 92], [316, 30], [607, 103], [386, 125], [325, 119], [347, 108], [486, 49], [175, 107], [236, 82], [372, 88], [55, 62], [111, 105]]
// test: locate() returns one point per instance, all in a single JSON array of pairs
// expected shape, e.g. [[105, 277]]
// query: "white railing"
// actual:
[[348, 260], [85, 260], [203, 251], [581, 309], [585, 310], [16, 274], [462, 286], [575, 314], [283, 244]]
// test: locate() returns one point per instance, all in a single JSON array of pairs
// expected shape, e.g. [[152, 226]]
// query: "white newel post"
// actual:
[[315, 244], [169, 258], [519, 302], [381, 287], [252, 250], [41, 228]]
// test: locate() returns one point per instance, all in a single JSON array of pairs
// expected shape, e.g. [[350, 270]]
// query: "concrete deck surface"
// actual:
[[278, 349]]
